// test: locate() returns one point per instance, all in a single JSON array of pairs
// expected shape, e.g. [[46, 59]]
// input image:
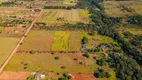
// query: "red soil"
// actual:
[[83, 76], [11, 75], [19, 28]]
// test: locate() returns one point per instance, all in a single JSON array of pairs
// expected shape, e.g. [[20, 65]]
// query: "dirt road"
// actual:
[[15, 49]]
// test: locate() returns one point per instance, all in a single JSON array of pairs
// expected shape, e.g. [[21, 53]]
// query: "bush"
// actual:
[[101, 74], [127, 34], [57, 58], [32, 52], [100, 62], [84, 40], [86, 55]]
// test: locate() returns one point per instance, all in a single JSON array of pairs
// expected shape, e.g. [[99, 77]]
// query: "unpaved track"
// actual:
[[14, 51]]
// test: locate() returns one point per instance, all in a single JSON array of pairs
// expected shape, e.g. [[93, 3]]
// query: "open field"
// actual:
[[18, 12], [61, 3], [36, 62], [96, 39], [37, 41], [51, 41], [60, 42], [81, 76], [74, 41], [122, 8], [71, 16], [7, 45], [134, 29]]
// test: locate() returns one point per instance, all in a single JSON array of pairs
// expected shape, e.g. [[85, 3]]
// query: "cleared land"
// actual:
[[37, 41], [96, 39], [61, 3], [7, 45], [60, 42], [12, 75], [134, 29], [74, 41], [68, 16], [122, 8], [36, 62], [81, 76]]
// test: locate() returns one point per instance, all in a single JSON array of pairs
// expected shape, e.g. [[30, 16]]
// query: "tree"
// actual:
[[84, 40]]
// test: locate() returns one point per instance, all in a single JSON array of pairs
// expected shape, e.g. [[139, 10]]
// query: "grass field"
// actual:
[[7, 45], [96, 39], [74, 41], [62, 3], [38, 41], [115, 9], [134, 29], [51, 41], [60, 42], [70, 2], [69, 16], [36, 62]]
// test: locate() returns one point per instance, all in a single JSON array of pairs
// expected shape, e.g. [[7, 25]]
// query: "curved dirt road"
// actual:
[[15, 49]]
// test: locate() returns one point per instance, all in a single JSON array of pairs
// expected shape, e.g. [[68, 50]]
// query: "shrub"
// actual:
[[127, 34], [57, 58], [32, 52], [84, 40], [86, 55]]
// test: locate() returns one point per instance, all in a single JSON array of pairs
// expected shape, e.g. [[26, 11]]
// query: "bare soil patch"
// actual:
[[12, 75], [83, 76]]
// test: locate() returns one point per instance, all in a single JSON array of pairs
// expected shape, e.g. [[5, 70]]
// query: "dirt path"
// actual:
[[14, 51]]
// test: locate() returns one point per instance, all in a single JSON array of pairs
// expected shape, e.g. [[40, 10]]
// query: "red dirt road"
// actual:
[[14, 51]]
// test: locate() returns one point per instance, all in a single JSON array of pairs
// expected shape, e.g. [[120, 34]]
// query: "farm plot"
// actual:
[[70, 2], [84, 14], [36, 62], [37, 41], [60, 42], [64, 16], [50, 16], [7, 45], [122, 8], [61, 3], [74, 41]]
